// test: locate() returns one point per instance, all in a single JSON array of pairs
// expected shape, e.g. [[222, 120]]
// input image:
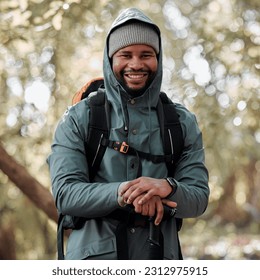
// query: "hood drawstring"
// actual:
[[125, 117], [150, 118], [125, 120]]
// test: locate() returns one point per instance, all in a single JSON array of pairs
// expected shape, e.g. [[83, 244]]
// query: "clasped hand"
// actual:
[[147, 195]]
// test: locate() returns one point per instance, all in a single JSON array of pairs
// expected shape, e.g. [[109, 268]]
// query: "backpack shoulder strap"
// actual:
[[173, 141], [98, 130], [99, 121], [171, 131]]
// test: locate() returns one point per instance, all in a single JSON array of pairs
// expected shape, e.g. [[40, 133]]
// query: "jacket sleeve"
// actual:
[[73, 193], [191, 176]]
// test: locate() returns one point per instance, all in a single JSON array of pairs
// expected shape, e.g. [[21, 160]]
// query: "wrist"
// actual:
[[172, 184]]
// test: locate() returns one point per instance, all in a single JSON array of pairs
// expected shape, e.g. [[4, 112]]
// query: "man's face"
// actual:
[[134, 67]]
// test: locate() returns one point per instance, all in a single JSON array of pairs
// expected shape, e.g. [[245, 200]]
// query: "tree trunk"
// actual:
[[7, 241], [35, 191]]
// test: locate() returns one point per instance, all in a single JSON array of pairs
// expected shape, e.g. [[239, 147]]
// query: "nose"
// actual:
[[136, 63]]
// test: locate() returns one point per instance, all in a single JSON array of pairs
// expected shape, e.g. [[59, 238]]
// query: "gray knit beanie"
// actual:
[[132, 33]]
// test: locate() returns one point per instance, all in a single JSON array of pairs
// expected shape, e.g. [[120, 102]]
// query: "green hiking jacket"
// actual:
[[134, 121]]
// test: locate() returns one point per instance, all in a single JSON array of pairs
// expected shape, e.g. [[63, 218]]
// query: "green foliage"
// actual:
[[49, 49]]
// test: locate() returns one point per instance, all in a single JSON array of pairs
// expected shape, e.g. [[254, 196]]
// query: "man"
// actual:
[[132, 69]]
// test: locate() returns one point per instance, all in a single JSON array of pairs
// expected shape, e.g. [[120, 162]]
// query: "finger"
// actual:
[[130, 186], [149, 194], [145, 209], [151, 210], [138, 208], [169, 203], [129, 191], [123, 187], [159, 213], [133, 192]]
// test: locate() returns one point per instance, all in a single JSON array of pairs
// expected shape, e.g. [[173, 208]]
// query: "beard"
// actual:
[[136, 92]]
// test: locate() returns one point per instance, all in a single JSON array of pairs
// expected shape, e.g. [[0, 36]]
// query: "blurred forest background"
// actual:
[[49, 49]]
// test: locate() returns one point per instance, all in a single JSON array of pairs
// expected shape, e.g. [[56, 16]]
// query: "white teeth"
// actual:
[[135, 76]]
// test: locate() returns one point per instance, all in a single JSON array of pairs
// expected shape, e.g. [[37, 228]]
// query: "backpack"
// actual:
[[98, 141]]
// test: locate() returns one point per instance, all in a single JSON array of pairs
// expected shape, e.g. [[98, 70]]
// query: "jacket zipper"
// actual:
[[170, 136], [98, 148]]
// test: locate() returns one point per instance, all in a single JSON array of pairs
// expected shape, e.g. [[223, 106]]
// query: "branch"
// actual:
[[35, 191]]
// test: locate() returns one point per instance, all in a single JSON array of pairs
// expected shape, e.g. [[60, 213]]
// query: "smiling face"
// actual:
[[134, 67]]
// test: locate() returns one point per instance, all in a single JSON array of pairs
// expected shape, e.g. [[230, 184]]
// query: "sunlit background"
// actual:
[[211, 58]]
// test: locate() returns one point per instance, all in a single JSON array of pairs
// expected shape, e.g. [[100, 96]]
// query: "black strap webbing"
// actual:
[[60, 237], [173, 142], [121, 241], [171, 131], [98, 130], [97, 141], [125, 149]]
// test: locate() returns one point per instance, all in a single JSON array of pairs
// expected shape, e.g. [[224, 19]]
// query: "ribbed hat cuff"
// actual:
[[134, 33]]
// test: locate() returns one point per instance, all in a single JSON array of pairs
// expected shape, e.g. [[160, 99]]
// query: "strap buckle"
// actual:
[[124, 148], [120, 147]]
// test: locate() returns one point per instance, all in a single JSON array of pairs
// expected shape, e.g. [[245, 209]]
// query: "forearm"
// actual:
[[88, 200], [192, 192]]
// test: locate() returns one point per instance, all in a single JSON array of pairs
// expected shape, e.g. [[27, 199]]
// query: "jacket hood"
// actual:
[[115, 92]]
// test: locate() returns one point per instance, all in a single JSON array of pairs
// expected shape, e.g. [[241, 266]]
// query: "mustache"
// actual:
[[134, 71]]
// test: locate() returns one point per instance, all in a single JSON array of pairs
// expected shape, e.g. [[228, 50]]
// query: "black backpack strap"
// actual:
[[173, 141], [121, 240], [124, 148], [60, 237], [98, 130], [66, 222], [92, 87], [171, 131]]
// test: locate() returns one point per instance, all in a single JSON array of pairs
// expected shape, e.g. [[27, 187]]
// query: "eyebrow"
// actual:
[[129, 52]]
